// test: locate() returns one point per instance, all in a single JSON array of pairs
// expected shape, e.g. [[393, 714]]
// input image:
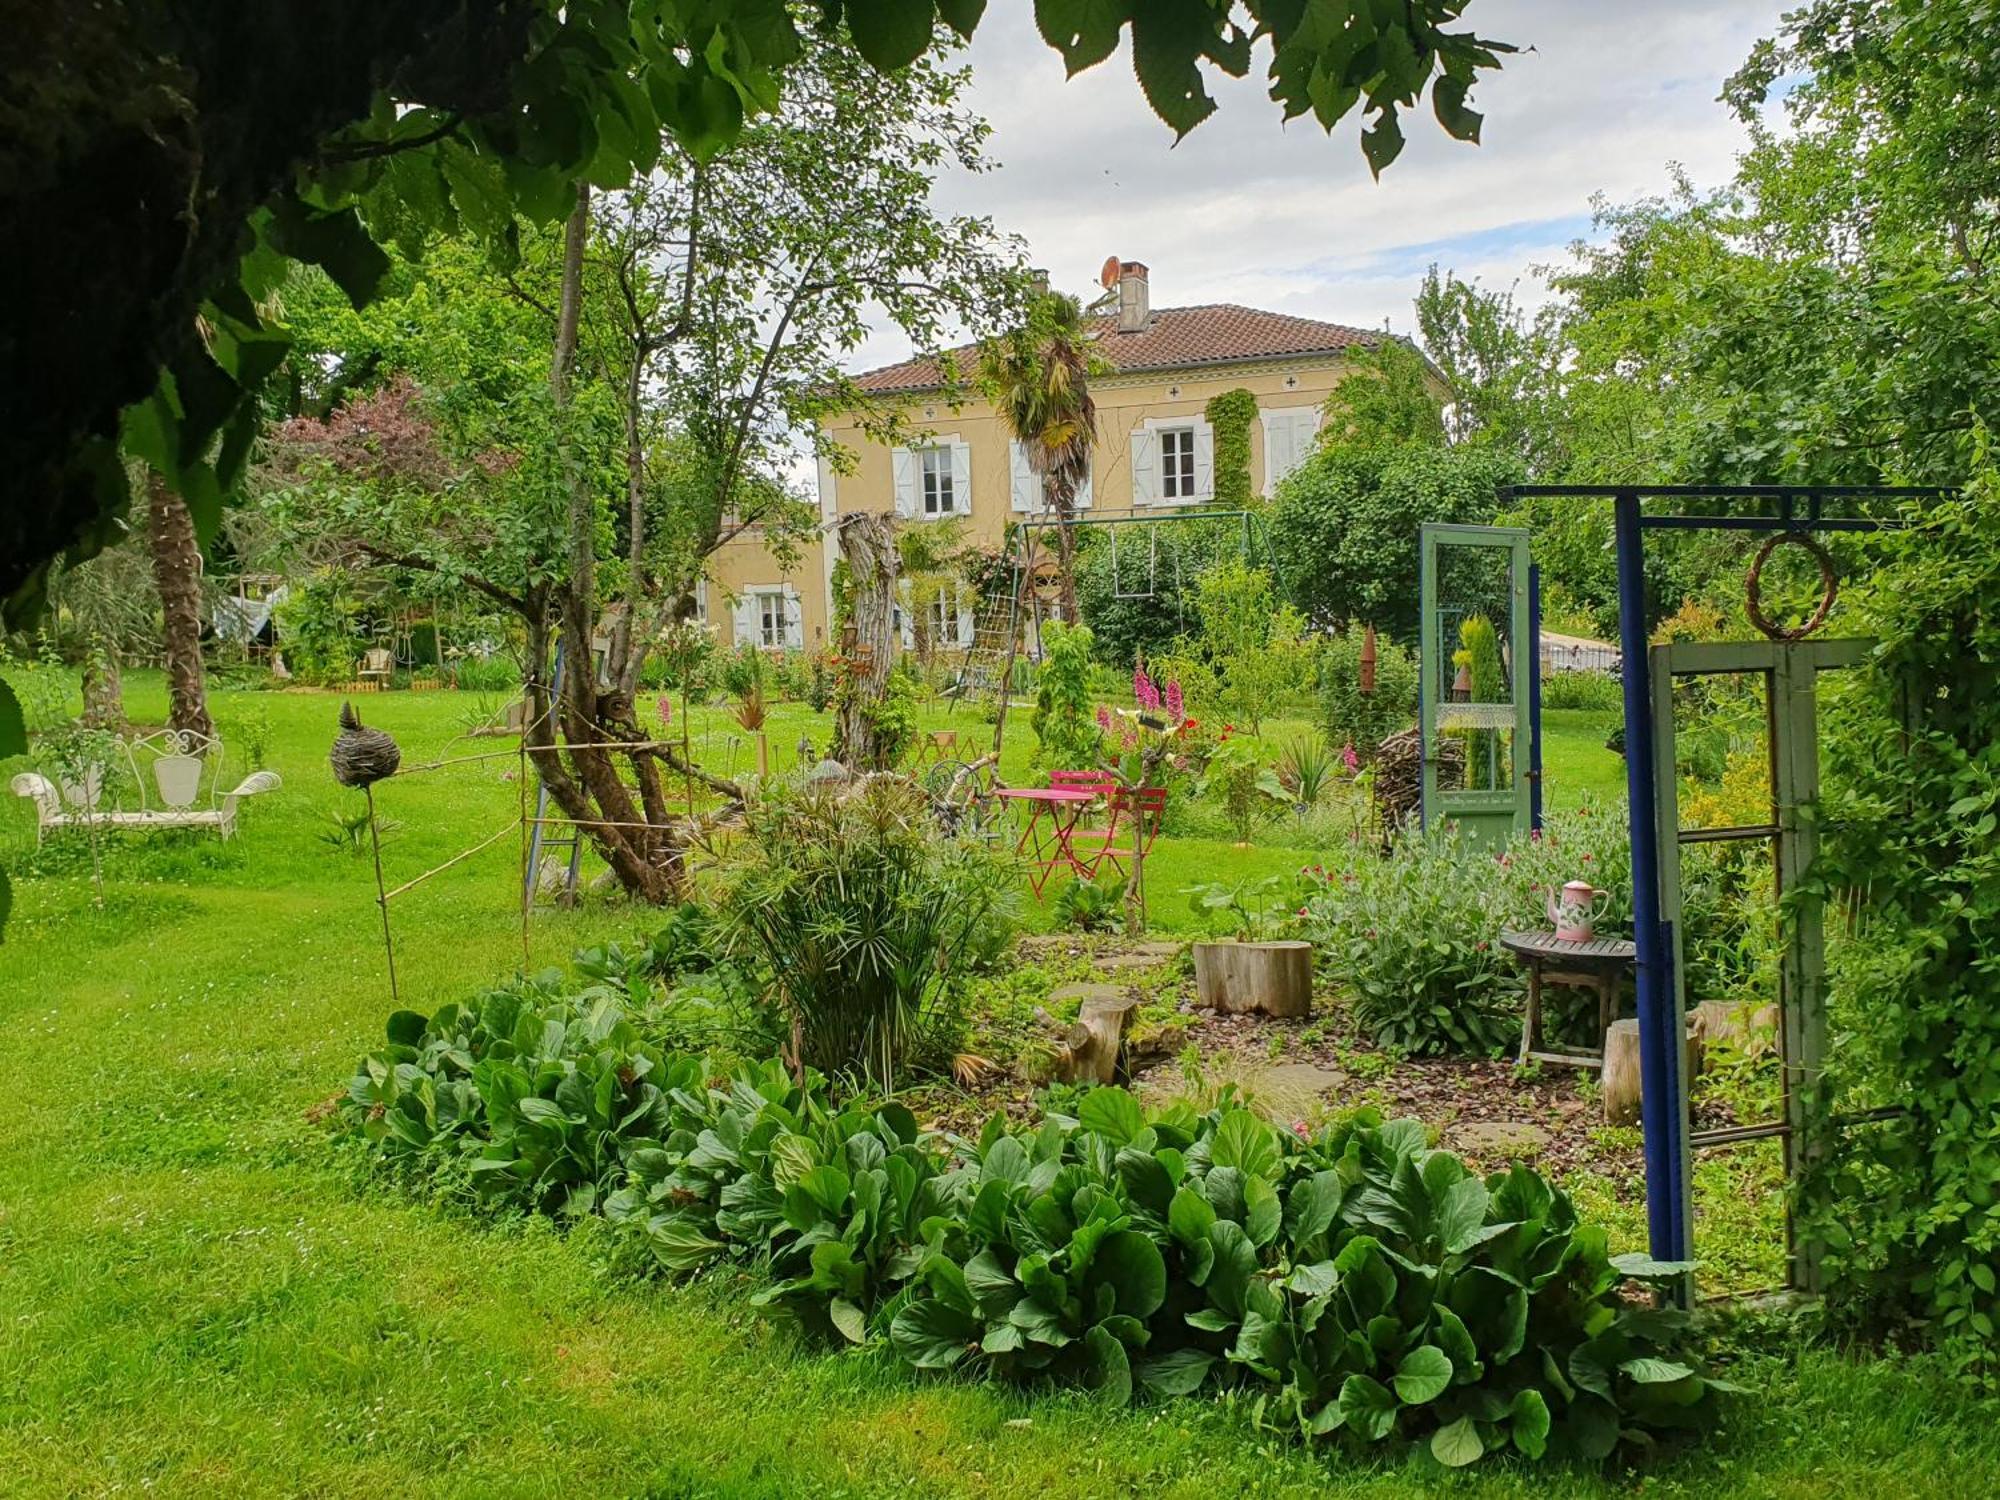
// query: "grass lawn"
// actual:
[[203, 1293]]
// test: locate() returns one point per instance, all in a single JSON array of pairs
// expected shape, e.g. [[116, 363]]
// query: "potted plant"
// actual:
[[1256, 967]]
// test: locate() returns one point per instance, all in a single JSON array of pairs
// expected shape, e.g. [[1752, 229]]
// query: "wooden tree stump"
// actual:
[[1274, 979], [1621, 1073], [1088, 1051]]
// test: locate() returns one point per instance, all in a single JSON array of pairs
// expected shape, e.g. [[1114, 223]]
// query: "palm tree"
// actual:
[[177, 575], [1038, 378]]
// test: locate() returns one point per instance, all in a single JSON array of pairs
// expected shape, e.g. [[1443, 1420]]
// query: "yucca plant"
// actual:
[[865, 920], [1306, 768]]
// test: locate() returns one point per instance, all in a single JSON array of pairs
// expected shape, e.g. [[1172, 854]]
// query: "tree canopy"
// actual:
[[163, 162]]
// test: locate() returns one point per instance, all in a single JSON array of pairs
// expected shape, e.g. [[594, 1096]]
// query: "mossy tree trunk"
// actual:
[[177, 573]]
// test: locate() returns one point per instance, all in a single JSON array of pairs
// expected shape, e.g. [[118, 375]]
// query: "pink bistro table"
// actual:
[[1051, 824]]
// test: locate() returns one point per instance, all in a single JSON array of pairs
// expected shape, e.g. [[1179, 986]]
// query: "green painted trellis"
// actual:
[[1790, 671], [1505, 806]]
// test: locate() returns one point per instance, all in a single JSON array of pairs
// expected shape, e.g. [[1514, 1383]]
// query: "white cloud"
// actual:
[[1248, 209]]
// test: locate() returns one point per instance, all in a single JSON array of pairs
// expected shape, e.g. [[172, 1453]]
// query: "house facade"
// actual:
[[1155, 449]]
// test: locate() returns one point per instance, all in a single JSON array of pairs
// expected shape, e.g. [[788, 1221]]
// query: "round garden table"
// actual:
[[1598, 965], [1051, 825]]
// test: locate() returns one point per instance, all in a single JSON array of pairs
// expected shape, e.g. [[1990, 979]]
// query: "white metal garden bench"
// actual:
[[183, 771]]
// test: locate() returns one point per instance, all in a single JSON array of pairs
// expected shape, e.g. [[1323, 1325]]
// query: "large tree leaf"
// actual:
[[890, 33]]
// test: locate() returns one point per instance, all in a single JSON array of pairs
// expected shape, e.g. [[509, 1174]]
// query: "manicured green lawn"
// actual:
[[203, 1293]]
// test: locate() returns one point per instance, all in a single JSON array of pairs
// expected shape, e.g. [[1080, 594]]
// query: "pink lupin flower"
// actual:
[[1349, 759], [1143, 689], [1176, 705]]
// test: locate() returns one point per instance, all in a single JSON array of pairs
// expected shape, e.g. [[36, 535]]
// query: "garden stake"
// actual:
[[381, 895]]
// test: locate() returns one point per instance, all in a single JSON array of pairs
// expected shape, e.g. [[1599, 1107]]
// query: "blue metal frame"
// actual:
[[1535, 696], [1661, 1054]]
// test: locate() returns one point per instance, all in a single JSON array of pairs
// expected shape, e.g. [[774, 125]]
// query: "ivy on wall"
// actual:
[[1229, 416]]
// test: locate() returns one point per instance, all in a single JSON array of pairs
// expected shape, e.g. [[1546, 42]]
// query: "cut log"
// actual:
[[1621, 1073], [1274, 979], [1751, 1031], [1088, 1051]]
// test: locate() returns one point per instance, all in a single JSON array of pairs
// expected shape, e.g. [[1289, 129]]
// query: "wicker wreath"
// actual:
[[1753, 587]]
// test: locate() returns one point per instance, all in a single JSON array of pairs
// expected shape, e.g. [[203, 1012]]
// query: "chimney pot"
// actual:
[[1134, 303]]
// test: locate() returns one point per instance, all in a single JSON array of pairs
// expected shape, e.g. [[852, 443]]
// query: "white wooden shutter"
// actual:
[[1204, 461], [906, 625], [701, 601], [1145, 466], [743, 619], [965, 622], [907, 470], [1288, 441], [961, 478], [1026, 486], [795, 618], [1081, 500]]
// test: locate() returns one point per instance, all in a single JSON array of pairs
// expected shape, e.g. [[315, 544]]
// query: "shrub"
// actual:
[[1255, 645], [1062, 718], [1414, 937], [1598, 691], [1364, 720], [1344, 525], [1086, 906], [865, 919], [1365, 1286]]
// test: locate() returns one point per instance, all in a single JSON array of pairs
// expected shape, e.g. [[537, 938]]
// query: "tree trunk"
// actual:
[[1064, 507], [177, 572], [868, 545], [103, 689]]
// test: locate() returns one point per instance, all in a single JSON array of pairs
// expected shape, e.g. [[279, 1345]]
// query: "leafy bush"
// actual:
[[1344, 525], [1062, 718], [1087, 906], [1906, 1210], [1255, 646], [1247, 788], [865, 920], [1362, 1285], [1598, 691], [1351, 717], [1414, 937]]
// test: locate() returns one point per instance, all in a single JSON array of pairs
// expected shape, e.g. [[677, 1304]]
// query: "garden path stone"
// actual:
[[1500, 1138], [1064, 993], [1117, 963], [1304, 1075]]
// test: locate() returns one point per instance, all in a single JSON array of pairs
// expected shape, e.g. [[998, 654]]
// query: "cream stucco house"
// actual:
[[1154, 448]]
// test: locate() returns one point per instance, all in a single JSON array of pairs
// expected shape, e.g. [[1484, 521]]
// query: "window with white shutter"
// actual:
[[1026, 487], [934, 480], [1288, 441]]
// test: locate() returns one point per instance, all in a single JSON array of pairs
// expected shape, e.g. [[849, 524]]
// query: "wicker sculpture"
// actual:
[[361, 757]]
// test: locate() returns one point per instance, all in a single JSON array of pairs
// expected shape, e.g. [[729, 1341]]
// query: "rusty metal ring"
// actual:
[[1753, 594]]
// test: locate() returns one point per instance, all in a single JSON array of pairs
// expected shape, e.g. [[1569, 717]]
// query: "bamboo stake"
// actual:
[[381, 895]]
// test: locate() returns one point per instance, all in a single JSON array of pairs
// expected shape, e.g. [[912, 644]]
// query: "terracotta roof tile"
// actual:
[[1178, 338]]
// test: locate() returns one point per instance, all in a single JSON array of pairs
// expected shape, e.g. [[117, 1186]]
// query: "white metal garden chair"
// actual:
[[176, 776]]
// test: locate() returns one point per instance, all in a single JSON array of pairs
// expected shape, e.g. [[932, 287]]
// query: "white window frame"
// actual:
[[762, 606], [923, 473], [1148, 461], [770, 618], [1026, 484], [1177, 485]]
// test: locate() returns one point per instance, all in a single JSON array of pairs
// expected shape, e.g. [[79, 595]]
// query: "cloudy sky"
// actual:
[[1248, 209]]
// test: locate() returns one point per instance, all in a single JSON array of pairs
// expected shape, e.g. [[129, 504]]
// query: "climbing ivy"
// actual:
[[1907, 1209], [1230, 415]]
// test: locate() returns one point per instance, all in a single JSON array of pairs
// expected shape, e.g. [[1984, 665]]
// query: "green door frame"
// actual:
[[1790, 670], [1487, 815]]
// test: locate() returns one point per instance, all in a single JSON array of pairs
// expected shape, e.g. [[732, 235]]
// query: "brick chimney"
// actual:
[[1134, 306]]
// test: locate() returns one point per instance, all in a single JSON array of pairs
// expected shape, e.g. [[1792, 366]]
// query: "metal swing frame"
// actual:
[[1790, 668]]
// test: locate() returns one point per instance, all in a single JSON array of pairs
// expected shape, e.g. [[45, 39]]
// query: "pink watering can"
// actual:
[[1576, 910]]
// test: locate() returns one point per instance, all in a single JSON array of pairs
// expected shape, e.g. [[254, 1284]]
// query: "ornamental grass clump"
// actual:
[[866, 919]]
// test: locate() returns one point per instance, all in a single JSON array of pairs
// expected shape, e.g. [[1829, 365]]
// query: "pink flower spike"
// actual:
[[1143, 689], [1349, 759], [666, 707], [1104, 718], [1176, 705]]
